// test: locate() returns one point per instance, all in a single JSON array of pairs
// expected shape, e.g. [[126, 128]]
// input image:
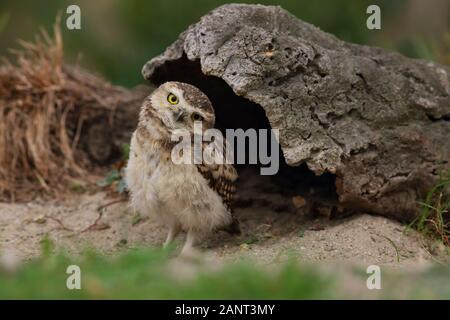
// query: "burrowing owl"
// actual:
[[195, 198]]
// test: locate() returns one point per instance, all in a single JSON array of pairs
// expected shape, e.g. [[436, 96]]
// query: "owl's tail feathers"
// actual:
[[233, 228]]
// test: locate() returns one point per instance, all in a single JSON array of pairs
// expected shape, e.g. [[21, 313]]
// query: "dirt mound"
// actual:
[[45, 106]]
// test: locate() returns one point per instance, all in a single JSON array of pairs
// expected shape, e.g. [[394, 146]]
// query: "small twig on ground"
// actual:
[[100, 209], [102, 226], [96, 225], [59, 222], [392, 243]]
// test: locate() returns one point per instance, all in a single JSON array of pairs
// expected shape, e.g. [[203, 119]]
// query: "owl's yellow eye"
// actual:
[[172, 99]]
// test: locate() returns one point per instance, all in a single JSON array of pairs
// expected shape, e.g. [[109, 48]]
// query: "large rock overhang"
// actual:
[[375, 119]]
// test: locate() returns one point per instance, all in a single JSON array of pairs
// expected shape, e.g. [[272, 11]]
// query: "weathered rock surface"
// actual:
[[377, 120]]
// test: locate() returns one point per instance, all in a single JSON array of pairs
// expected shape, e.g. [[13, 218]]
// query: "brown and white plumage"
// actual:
[[196, 198], [221, 178]]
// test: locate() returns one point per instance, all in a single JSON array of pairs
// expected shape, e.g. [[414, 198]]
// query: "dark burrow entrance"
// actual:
[[233, 112]]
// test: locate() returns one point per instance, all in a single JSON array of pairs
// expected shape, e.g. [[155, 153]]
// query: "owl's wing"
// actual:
[[221, 178]]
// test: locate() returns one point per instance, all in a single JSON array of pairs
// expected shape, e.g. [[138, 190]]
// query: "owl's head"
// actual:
[[178, 106]]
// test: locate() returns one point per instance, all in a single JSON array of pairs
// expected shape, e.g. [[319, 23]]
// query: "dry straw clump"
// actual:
[[43, 104]]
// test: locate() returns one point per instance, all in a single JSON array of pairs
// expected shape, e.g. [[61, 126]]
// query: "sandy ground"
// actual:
[[268, 236], [272, 232]]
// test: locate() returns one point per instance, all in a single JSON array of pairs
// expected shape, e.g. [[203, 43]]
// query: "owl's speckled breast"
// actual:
[[172, 191]]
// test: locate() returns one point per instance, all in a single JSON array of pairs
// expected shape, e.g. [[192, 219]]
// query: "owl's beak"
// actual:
[[178, 115]]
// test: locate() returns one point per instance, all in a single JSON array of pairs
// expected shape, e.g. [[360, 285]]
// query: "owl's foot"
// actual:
[[173, 232], [188, 248]]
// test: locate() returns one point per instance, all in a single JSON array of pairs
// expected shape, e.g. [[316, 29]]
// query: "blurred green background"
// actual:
[[118, 37]]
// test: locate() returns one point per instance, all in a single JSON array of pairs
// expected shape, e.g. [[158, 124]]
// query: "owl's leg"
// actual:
[[191, 240], [173, 232]]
